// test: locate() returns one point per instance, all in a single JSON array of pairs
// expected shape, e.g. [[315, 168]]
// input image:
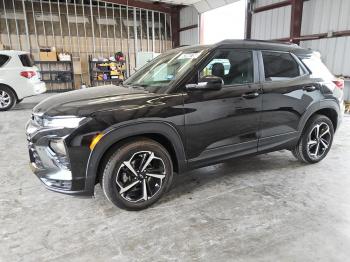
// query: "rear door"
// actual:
[[223, 123], [288, 93]]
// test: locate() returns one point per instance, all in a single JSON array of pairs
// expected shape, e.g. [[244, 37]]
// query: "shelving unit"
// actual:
[[96, 71], [58, 75]]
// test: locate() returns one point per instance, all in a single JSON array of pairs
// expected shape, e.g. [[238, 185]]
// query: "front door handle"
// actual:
[[309, 88], [250, 95]]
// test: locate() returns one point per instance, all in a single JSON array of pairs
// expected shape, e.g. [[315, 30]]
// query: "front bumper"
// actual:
[[53, 170]]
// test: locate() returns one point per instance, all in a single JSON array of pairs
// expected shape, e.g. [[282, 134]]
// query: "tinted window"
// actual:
[[4, 59], [26, 60], [280, 66], [233, 66], [209, 68]]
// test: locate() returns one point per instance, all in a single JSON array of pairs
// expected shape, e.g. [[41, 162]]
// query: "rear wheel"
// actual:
[[137, 174], [7, 98], [315, 141]]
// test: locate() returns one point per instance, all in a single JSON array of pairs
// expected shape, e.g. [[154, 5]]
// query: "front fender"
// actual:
[[119, 132]]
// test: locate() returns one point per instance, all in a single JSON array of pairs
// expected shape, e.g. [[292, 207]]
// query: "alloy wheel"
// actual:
[[141, 177], [5, 99], [319, 140]]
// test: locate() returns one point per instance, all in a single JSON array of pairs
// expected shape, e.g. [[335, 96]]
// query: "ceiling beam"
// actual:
[[272, 6], [155, 6]]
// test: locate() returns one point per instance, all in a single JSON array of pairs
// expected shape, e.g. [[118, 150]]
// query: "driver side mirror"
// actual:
[[207, 83]]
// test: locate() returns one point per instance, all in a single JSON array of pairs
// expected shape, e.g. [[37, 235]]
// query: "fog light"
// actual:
[[58, 147]]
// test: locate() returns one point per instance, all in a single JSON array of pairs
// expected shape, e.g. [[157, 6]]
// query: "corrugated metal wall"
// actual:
[[319, 16], [324, 16], [335, 53], [271, 24], [188, 17]]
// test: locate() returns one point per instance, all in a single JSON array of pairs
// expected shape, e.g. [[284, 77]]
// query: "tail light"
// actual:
[[339, 83], [28, 74]]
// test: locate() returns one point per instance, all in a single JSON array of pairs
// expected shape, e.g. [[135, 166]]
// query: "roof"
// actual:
[[262, 45]]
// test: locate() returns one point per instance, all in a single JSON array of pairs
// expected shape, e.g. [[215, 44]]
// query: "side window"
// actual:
[[208, 70], [26, 60], [280, 66], [3, 59], [233, 66]]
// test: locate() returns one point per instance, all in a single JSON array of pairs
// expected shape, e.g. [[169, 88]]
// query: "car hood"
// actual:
[[84, 102]]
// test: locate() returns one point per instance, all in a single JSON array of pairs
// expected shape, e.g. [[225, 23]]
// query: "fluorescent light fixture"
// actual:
[[11, 15], [158, 25], [78, 19], [130, 22], [47, 18], [106, 21]]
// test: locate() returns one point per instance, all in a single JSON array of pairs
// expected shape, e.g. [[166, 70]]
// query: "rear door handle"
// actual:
[[251, 95], [309, 88]]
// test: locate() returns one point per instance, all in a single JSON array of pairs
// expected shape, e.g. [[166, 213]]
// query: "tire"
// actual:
[[7, 98], [124, 172], [315, 141]]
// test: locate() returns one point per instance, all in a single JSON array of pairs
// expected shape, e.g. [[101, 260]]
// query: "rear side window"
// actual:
[[317, 68], [26, 60], [280, 66], [4, 59]]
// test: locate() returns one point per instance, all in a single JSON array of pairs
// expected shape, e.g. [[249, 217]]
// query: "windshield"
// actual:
[[165, 69]]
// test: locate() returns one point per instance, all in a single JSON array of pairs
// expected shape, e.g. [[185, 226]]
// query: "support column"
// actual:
[[248, 26], [175, 26], [295, 22]]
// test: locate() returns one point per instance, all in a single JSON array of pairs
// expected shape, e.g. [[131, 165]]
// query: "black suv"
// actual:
[[188, 108]]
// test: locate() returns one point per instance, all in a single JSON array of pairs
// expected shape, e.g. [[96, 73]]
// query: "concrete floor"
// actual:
[[263, 208]]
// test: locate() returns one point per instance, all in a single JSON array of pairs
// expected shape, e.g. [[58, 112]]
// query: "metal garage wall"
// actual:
[[322, 16], [327, 16], [335, 53], [319, 17], [189, 17], [271, 24]]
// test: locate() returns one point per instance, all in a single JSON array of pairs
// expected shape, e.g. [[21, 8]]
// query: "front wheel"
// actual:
[[315, 141], [137, 174]]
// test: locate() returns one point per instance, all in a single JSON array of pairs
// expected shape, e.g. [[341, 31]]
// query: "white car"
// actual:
[[19, 78]]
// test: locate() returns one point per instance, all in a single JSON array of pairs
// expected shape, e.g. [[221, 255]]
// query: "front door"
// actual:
[[224, 123]]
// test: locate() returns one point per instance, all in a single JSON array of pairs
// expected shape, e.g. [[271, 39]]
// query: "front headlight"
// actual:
[[68, 122]]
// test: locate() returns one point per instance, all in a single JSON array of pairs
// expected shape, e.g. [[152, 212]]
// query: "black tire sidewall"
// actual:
[[124, 153], [12, 97], [316, 120]]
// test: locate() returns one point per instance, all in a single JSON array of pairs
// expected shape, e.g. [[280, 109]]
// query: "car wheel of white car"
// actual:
[[7, 98]]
